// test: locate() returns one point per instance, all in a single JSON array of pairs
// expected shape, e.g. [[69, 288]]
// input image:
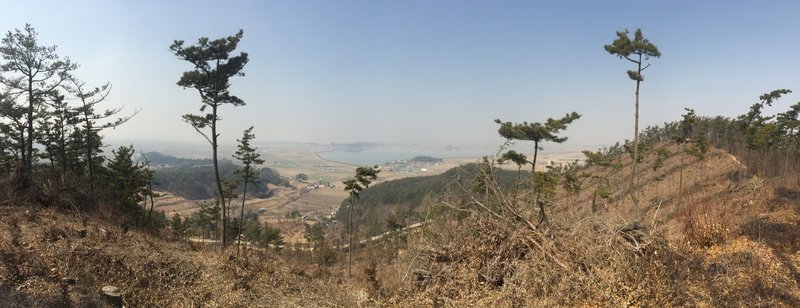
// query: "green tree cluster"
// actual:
[[198, 183], [47, 114], [125, 184]]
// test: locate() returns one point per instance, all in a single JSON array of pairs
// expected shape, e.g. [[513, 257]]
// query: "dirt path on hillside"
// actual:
[[733, 158]]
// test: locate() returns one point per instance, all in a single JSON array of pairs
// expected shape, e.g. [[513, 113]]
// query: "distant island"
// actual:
[[354, 147], [426, 159]]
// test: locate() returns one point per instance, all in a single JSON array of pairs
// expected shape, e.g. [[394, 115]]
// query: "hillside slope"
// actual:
[[39, 247], [706, 233]]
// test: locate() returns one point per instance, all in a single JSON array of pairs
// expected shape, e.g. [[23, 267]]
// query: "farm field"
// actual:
[[292, 159]]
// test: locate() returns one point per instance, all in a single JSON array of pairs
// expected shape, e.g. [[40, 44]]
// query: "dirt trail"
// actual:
[[733, 158]]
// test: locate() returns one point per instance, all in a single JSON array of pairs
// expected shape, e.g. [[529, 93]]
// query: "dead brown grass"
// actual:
[[44, 246], [716, 237]]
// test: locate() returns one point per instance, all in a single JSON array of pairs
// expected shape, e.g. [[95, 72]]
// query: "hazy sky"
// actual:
[[431, 72]]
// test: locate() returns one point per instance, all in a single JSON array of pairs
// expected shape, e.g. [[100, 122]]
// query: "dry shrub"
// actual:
[[736, 244], [490, 263], [713, 219], [705, 225], [485, 249], [370, 276]]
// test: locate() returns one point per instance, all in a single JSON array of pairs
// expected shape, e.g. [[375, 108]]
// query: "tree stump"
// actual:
[[112, 295], [66, 282]]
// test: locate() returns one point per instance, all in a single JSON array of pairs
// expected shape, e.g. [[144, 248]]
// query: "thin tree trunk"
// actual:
[[350, 238], [631, 186], [63, 149], [29, 160], [794, 163], [241, 218], [542, 213], [52, 158], [533, 167], [150, 194], [220, 195], [23, 151], [680, 181], [516, 186], [786, 159], [89, 148]]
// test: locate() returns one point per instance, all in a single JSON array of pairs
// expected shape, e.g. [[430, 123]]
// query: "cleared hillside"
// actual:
[[716, 237], [39, 247]]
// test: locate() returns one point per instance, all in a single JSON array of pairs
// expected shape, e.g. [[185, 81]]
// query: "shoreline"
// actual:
[[316, 154]]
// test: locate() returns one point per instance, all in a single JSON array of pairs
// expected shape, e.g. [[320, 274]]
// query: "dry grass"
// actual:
[[716, 237], [43, 246]]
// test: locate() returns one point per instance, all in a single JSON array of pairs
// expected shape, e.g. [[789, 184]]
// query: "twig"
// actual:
[[653, 223], [411, 265]]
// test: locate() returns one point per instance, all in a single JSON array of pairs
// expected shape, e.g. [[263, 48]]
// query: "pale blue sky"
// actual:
[[431, 72]]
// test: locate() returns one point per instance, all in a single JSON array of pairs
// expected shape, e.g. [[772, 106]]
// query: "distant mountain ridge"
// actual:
[[158, 160]]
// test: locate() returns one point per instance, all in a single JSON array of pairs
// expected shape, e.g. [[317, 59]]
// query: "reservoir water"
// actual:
[[386, 153]]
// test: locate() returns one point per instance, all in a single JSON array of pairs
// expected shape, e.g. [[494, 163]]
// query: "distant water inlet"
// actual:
[[382, 154]]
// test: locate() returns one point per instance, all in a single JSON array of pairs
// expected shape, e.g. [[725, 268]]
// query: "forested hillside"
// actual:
[[158, 160], [193, 179], [385, 205]]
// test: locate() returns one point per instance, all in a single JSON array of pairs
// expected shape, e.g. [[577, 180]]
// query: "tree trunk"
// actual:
[[29, 145], [533, 169], [150, 194], [542, 214], [52, 158], [220, 196], [63, 146], [23, 151], [680, 181], [350, 238], [89, 148], [631, 186], [241, 217]]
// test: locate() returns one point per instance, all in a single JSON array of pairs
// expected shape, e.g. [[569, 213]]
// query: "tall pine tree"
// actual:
[[636, 51], [213, 68]]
